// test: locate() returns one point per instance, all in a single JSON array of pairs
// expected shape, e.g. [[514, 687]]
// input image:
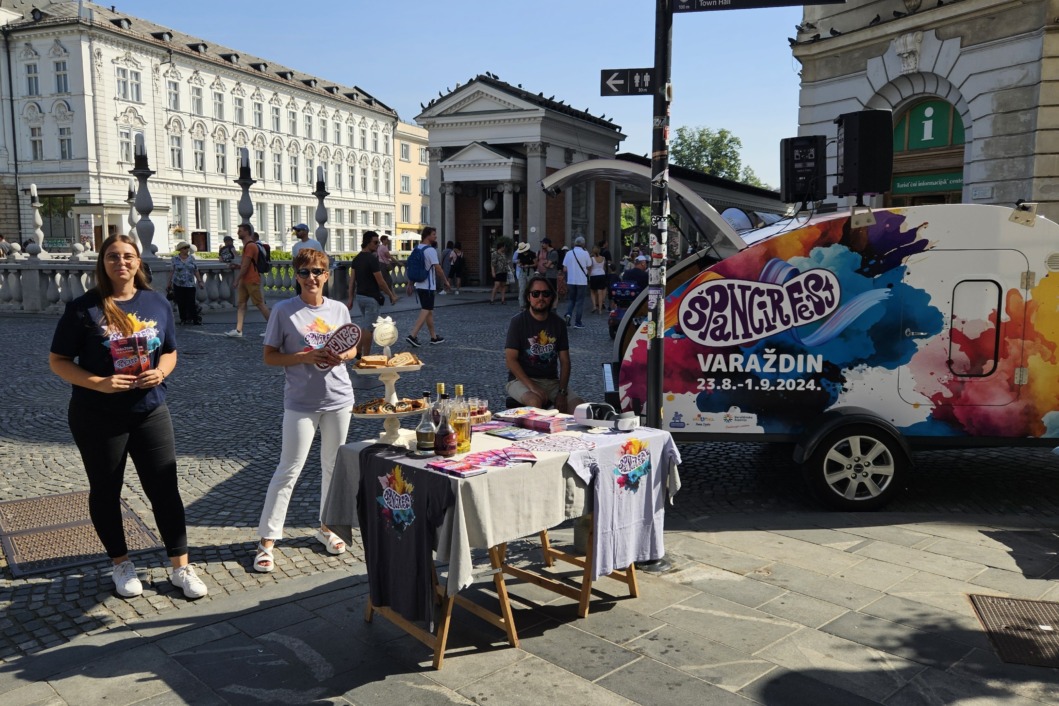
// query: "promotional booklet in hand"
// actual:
[[130, 355]]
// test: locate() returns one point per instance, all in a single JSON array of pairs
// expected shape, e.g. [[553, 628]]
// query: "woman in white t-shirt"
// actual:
[[294, 340]]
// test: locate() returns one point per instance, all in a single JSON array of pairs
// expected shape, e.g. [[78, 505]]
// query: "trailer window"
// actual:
[[974, 336]]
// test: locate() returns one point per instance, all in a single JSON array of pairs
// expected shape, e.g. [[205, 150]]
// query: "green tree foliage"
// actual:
[[714, 152]]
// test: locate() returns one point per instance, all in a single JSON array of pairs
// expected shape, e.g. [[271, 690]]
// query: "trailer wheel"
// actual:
[[857, 467]]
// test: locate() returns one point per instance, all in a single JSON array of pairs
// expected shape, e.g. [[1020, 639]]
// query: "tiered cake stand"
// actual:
[[389, 376]]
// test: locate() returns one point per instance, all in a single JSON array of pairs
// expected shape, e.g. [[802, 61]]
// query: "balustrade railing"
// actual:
[[46, 285]]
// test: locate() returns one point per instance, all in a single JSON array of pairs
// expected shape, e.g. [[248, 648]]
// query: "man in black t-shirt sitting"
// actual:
[[367, 284], [537, 352]]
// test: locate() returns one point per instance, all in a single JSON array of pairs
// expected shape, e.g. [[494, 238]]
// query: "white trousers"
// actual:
[[299, 428]]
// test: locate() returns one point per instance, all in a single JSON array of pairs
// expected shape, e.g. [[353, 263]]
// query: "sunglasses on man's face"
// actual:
[[314, 271], [538, 293]]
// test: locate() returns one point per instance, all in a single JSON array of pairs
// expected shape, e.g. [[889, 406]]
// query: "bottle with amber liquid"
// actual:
[[425, 430], [461, 421], [445, 437]]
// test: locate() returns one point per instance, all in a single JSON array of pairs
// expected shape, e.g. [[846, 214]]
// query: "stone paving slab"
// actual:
[[771, 600]]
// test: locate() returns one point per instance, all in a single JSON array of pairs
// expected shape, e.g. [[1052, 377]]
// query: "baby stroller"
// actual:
[[622, 294]]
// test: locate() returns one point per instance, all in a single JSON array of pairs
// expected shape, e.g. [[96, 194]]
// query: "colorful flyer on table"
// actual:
[[515, 433], [500, 458], [489, 426], [130, 355], [462, 468]]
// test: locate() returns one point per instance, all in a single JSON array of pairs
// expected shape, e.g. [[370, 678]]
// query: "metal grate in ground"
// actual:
[[55, 532], [1022, 631]]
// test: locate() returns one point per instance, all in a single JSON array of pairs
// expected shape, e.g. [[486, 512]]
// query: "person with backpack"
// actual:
[[424, 271], [248, 281]]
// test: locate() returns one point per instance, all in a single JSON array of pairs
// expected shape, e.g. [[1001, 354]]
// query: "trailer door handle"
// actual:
[[909, 333]]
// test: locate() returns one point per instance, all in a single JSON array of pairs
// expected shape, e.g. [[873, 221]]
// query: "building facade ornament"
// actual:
[[173, 73], [220, 134], [238, 90], [218, 84], [196, 79], [32, 114], [175, 126], [257, 95], [61, 111], [198, 130], [907, 47], [131, 116], [275, 100], [240, 138], [536, 149], [28, 53], [436, 153], [98, 58], [294, 149], [58, 51], [448, 188], [127, 60]]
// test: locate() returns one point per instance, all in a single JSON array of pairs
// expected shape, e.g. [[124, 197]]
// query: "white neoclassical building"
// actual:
[[79, 83], [972, 85]]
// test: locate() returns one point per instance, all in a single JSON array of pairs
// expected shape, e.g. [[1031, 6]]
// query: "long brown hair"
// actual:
[[113, 316]]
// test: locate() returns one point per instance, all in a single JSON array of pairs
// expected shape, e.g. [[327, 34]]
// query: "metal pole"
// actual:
[[656, 287]]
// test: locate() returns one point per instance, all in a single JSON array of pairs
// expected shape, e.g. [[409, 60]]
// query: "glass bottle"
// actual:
[[425, 430], [445, 437], [436, 412], [461, 421]]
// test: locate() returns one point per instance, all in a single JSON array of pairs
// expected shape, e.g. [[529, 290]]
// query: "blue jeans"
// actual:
[[577, 302]]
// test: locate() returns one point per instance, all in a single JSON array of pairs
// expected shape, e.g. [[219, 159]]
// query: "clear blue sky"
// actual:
[[731, 69]]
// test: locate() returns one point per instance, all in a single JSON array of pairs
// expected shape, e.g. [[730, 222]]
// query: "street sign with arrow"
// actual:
[[626, 82]]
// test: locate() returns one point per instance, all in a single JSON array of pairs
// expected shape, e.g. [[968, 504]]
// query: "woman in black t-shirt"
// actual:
[[117, 345]]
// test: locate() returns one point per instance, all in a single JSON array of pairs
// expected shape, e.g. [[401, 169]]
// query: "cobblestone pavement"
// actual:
[[227, 408]]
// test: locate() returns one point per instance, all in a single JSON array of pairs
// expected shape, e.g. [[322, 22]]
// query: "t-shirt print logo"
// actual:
[[541, 347], [316, 334], [633, 464], [395, 503]]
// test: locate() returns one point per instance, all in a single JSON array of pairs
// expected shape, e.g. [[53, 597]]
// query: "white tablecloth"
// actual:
[[492, 508]]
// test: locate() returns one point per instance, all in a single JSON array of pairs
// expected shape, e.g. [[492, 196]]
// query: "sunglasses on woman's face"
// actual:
[[314, 271], [538, 293]]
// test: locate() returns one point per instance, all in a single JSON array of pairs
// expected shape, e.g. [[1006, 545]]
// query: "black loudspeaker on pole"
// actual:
[[865, 153]]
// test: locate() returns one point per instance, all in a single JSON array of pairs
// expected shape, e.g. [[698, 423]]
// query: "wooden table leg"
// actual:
[[496, 555], [546, 547], [443, 631]]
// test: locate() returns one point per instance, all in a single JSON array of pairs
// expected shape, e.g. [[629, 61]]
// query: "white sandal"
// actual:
[[264, 560], [332, 541]]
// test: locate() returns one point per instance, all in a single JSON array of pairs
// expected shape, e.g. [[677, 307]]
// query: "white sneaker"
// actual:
[[441, 293], [188, 581], [233, 334], [262, 334], [125, 579]]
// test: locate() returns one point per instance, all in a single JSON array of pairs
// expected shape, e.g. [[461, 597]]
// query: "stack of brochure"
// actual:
[[480, 461]]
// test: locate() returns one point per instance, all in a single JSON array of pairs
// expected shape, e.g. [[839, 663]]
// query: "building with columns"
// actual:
[[973, 86], [79, 83], [491, 143]]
